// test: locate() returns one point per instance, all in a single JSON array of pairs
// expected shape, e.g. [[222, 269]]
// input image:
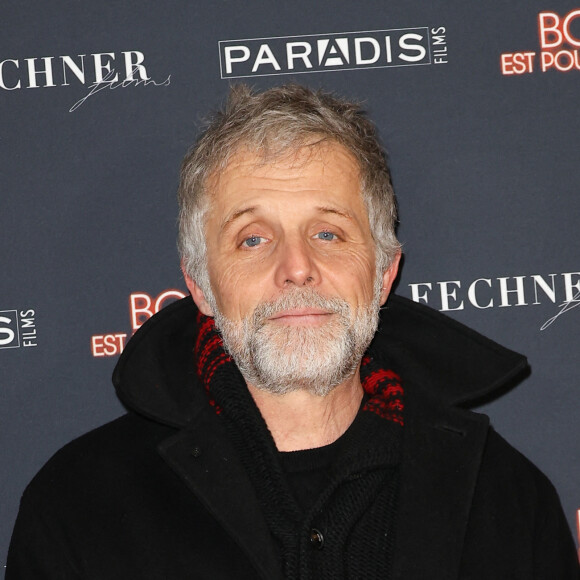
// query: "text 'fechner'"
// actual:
[[329, 52], [97, 71]]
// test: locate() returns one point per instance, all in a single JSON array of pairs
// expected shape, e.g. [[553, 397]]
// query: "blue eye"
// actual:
[[326, 236], [252, 241]]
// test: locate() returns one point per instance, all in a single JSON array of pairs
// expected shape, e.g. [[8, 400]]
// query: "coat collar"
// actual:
[[460, 365], [156, 374]]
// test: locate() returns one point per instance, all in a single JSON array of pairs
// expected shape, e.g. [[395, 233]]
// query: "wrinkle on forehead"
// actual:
[[317, 149]]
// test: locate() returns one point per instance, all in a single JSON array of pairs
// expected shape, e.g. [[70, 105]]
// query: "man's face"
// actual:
[[291, 263]]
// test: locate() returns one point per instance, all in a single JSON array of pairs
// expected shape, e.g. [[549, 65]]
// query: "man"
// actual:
[[273, 432]]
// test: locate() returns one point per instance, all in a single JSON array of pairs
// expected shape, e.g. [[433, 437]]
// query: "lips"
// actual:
[[301, 316], [300, 307], [290, 312]]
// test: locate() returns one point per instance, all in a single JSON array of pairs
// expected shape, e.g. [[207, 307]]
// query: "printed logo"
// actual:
[[337, 51], [17, 328], [98, 71], [562, 290], [559, 38], [142, 306]]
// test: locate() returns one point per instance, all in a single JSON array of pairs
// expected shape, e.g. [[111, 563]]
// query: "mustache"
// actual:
[[299, 298]]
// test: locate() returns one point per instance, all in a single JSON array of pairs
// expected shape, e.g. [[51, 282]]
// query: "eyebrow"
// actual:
[[253, 208], [236, 215], [333, 210]]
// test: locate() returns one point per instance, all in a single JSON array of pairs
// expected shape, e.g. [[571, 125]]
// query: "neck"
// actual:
[[301, 420]]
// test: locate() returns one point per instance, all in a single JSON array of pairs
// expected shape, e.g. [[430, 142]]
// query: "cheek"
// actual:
[[353, 275], [237, 289]]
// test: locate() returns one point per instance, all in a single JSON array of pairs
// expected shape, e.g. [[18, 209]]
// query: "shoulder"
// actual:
[[514, 486], [511, 485], [97, 460], [516, 516], [514, 472]]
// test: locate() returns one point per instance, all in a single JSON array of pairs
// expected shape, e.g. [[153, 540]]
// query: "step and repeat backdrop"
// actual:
[[478, 105]]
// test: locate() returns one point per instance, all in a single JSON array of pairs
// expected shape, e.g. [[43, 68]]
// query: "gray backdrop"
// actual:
[[483, 149]]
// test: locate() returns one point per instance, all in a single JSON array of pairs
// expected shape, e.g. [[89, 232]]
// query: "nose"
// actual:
[[296, 264]]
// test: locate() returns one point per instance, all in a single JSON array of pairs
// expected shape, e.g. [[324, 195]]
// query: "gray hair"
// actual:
[[274, 123]]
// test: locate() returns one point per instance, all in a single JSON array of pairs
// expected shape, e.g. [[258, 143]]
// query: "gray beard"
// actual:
[[280, 359]]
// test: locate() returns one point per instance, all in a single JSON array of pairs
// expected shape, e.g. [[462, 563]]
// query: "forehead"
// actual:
[[323, 172]]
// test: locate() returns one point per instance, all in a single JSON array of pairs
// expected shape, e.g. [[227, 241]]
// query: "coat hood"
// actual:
[[156, 373]]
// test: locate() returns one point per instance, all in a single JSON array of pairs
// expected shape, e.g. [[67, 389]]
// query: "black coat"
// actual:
[[160, 494]]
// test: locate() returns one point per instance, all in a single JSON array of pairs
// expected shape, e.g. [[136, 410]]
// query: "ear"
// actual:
[[389, 277], [197, 294]]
